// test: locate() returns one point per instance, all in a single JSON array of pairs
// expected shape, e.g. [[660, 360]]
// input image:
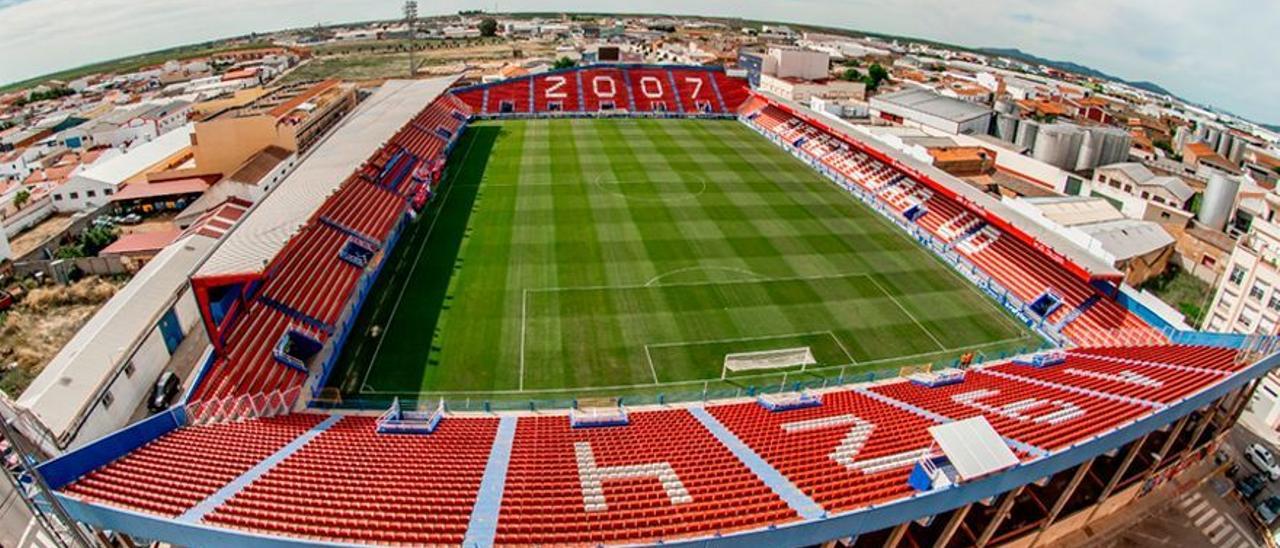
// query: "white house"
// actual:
[[94, 186]]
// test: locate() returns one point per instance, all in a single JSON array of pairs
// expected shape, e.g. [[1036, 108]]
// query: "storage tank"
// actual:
[[1005, 106], [1058, 145], [1114, 145], [1027, 131], [1219, 200], [1006, 127]]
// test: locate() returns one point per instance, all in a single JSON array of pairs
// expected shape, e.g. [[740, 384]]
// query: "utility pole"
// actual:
[[411, 20]]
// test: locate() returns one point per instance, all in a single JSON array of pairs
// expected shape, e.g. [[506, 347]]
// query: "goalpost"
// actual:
[[767, 359]]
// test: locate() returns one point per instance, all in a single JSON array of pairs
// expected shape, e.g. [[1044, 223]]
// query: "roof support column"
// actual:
[[1208, 416], [1237, 408], [896, 536], [1134, 447], [1164, 449], [1058, 505], [1002, 512], [957, 517]]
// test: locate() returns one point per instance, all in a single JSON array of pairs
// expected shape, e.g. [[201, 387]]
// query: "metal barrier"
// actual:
[[247, 406]]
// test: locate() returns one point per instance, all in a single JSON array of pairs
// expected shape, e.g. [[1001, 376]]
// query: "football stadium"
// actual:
[[640, 304]]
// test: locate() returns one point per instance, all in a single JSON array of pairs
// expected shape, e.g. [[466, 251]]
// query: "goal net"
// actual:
[[767, 359]]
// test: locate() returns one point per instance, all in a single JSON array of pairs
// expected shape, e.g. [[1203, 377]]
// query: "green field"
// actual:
[[581, 257]]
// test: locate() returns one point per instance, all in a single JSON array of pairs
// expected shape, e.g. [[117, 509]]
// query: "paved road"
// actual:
[[1200, 517]]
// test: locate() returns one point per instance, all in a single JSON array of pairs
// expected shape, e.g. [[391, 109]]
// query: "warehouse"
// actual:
[[921, 107]]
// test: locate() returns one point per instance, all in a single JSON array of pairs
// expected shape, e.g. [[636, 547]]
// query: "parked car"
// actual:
[[1262, 458], [131, 219], [1268, 509], [164, 391], [1251, 485]]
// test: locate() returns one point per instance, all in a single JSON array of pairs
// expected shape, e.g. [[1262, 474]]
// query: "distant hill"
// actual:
[[1272, 127], [1073, 67]]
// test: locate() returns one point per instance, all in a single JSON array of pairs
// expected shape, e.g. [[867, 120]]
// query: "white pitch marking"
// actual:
[[416, 259], [908, 313]]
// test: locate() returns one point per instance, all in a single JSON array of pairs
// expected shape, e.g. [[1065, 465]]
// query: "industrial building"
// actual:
[[1140, 249], [1142, 194], [921, 107]]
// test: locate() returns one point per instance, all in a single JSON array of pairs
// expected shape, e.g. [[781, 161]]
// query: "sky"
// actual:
[[1220, 52]]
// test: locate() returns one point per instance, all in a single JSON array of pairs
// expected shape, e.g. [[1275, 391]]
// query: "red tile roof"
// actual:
[[175, 187], [141, 242]]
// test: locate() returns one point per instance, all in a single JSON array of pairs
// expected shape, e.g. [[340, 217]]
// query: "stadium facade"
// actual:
[[1122, 403]]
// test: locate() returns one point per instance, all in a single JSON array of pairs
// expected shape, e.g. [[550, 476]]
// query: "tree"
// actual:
[[563, 63], [875, 75], [98, 238], [488, 27], [20, 199], [851, 75]]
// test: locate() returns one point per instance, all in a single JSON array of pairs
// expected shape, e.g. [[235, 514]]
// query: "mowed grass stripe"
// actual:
[[586, 241], [797, 305]]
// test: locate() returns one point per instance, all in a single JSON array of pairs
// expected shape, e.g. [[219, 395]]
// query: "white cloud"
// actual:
[[1220, 52]]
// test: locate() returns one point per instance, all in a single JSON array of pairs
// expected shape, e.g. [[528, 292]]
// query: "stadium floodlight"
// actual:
[[411, 21]]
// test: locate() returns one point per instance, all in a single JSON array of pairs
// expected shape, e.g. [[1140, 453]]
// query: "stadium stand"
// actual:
[[719, 473], [423, 487], [616, 484], [556, 93], [173, 473], [1086, 317], [639, 89], [604, 89], [1042, 416], [642, 491], [652, 91], [808, 446]]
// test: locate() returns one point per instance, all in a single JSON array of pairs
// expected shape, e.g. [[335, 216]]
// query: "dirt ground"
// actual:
[[36, 235], [154, 223], [33, 331]]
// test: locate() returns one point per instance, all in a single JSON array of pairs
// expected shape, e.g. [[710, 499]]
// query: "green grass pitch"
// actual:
[[583, 257]]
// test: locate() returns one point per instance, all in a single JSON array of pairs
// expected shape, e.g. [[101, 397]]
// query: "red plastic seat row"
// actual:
[[176, 471]]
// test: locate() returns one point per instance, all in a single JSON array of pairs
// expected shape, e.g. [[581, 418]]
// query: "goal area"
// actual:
[[767, 359]]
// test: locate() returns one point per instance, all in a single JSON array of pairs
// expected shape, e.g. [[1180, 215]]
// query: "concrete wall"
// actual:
[[60, 270], [130, 391]]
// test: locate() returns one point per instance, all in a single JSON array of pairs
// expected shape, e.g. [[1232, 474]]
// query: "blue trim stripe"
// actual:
[[199, 511], [787, 491], [482, 530]]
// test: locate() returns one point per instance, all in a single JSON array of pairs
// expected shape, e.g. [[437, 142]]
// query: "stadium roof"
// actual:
[[276, 218], [1074, 253], [928, 102]]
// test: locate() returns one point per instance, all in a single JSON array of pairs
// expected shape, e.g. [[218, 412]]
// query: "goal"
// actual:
[[767, 359]]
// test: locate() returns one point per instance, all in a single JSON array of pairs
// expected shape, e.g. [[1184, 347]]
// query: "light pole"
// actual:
[[411, 20]]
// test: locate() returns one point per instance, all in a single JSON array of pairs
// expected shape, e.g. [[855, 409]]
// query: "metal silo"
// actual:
[[1006, 127], [1026, 135], [1058, 145], [1219, 200]]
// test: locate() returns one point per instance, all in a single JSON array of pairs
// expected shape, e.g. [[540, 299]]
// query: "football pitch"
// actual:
[[582, 257]]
